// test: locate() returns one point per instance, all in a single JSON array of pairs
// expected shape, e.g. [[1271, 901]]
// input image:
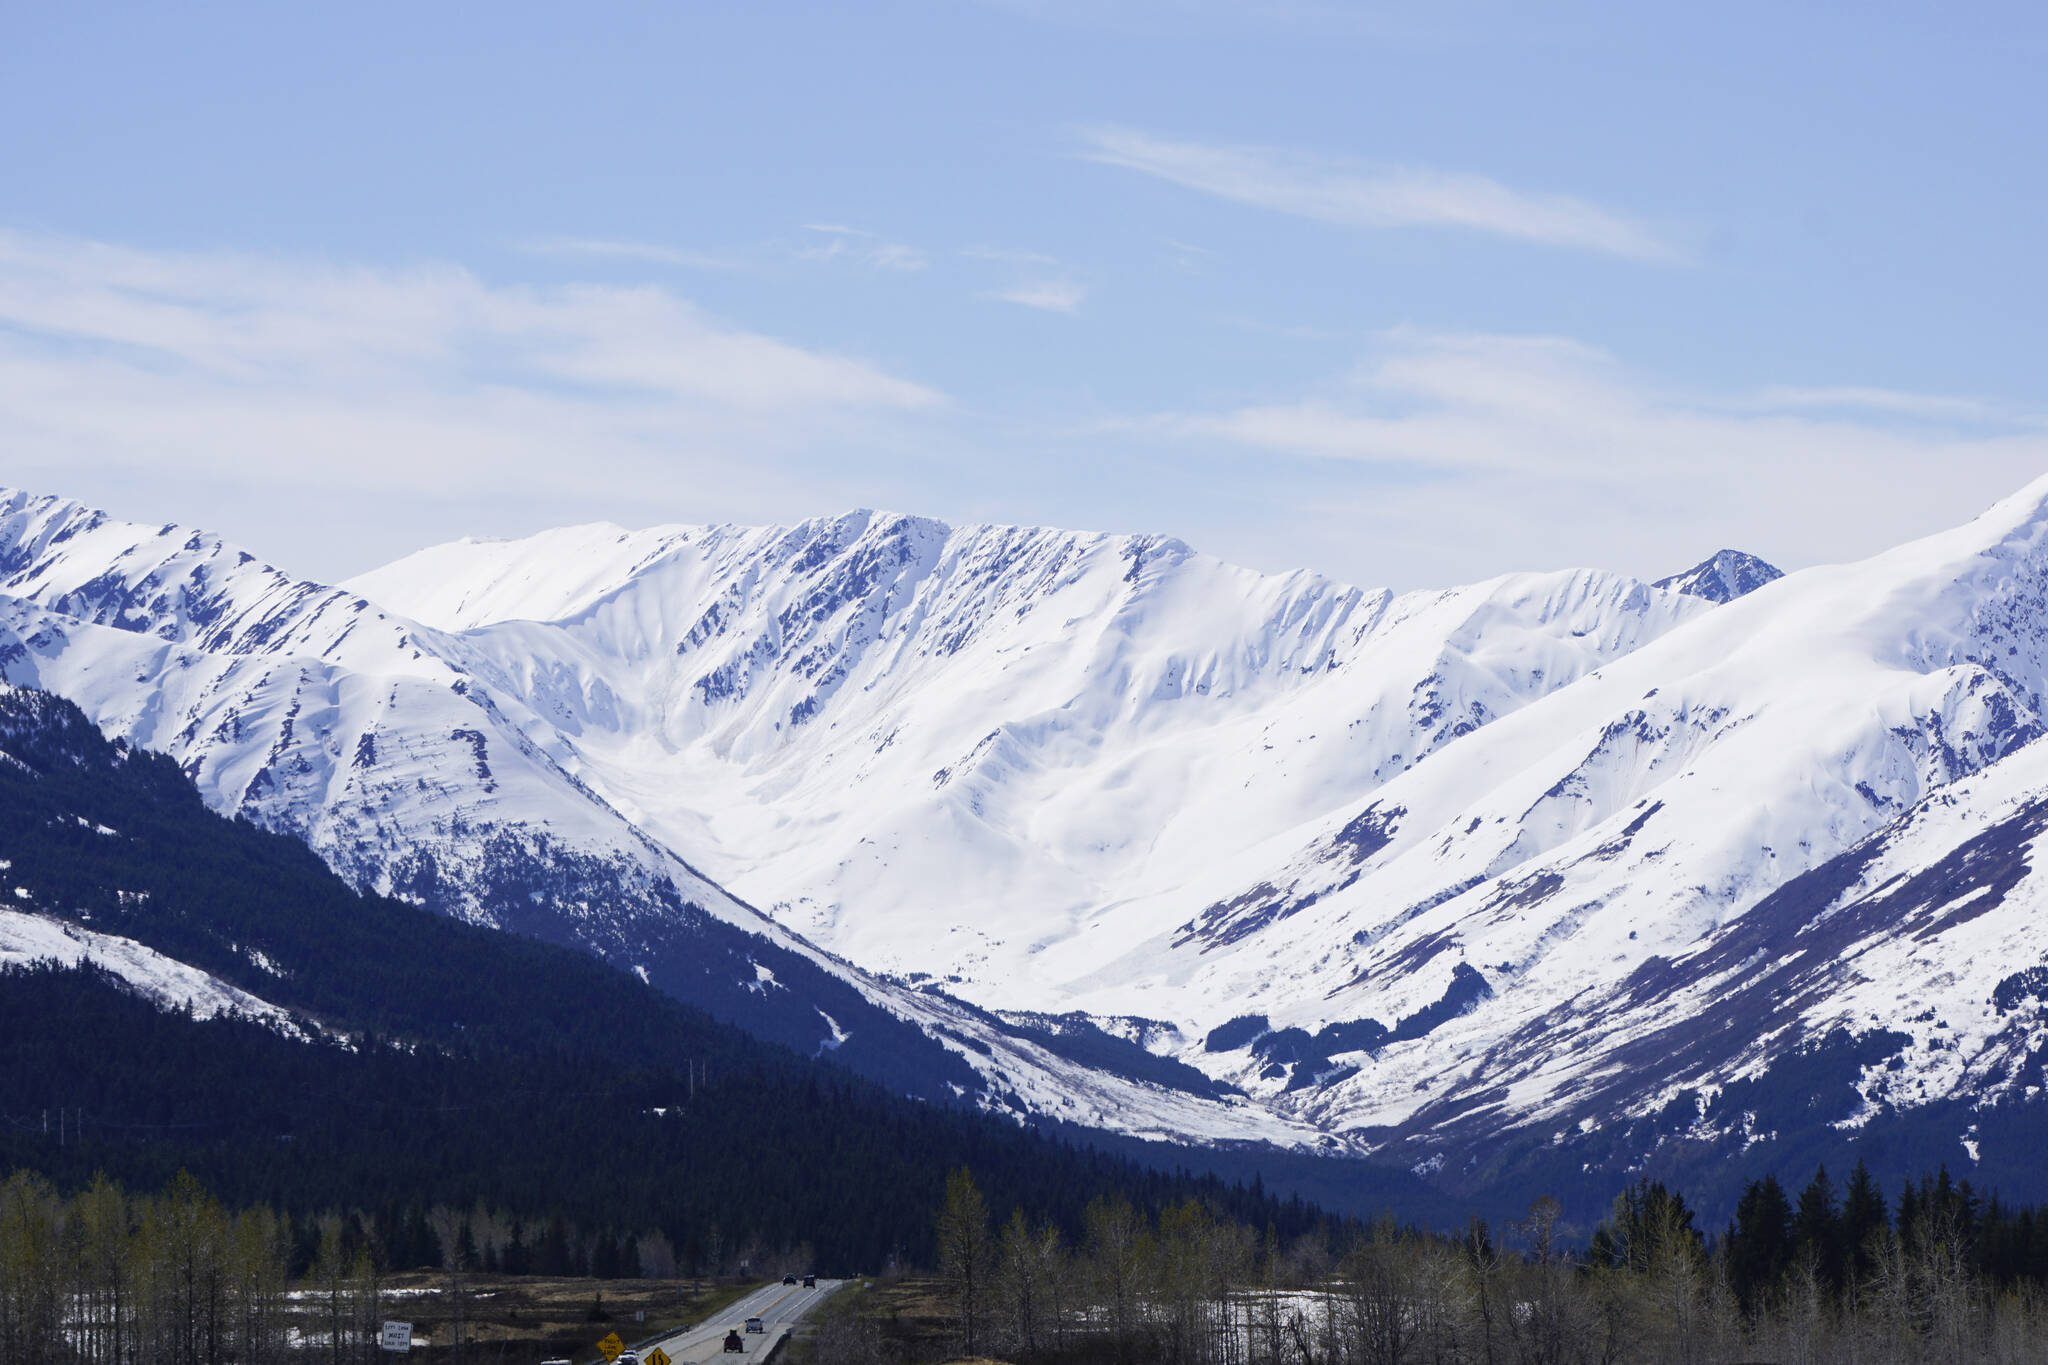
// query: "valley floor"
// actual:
[[525, 1319]]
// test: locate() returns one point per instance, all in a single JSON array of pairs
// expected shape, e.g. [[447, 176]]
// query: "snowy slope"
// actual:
[[1608, 838], [302, 707], [940, 751], [1908, 972]]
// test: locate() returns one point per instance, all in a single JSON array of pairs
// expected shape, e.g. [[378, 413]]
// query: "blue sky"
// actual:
[[1408, 294]]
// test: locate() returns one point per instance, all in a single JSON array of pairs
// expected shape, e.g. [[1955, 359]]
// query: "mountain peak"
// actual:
[[1722, 576]]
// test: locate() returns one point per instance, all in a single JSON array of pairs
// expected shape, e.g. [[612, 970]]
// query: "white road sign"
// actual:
[[397, 1336]]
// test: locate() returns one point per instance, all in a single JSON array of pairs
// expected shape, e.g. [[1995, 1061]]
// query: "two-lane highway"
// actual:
[[779, 1306]]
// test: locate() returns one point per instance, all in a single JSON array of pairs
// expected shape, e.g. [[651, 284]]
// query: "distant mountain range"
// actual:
[[1560, 873]]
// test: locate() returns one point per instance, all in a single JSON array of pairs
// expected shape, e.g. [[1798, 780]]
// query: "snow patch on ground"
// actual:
[[27, 938]]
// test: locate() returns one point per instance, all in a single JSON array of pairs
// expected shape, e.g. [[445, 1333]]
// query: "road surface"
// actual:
[[779, 1306]]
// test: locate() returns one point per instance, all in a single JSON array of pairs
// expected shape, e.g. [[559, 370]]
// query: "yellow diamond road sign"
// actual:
[[611, 1346], [657, 1356]]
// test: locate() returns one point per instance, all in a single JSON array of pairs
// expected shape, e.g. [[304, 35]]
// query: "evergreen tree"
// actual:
[[1863, 1224], [1817, 1232], [1908, 1219], [552, 1255], [1759, 1244], [516, 1259], [1646, 1223]]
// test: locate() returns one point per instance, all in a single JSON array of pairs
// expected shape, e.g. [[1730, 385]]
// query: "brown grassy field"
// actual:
[[525, 1319], [891, 1318]]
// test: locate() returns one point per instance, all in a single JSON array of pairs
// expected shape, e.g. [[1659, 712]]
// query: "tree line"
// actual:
[[109, 1277], [1938, 1274]]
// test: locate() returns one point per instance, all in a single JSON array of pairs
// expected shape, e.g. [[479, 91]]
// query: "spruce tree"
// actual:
[[1817, 1231], [1759, 1245], [1863, 1224]]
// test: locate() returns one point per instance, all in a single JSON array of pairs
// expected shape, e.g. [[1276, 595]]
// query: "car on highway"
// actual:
[[733, 1342], [810, 1281], [754, 1325], [789, 1279]]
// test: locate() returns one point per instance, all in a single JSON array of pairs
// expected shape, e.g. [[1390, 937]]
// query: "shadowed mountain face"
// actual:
[[1722, 577], [1097, 827]]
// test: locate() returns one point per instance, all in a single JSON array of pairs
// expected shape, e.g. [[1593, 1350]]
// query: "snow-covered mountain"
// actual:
[[396, 752], [1455, 876]]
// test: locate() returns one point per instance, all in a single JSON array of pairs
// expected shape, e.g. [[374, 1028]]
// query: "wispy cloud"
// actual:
[[1932, 407], [648, 252], [1044, 285], [259, 371], [1354, 194], [1473, 452], [1465, 403], [855, 244], [1051, 296]]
